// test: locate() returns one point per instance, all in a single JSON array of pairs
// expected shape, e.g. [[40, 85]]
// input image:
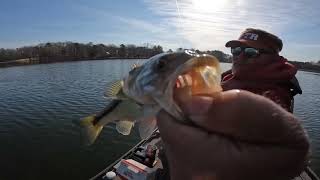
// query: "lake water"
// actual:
[[40, 103]]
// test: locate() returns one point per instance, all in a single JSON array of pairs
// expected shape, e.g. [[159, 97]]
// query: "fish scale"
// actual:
[[150, 87]]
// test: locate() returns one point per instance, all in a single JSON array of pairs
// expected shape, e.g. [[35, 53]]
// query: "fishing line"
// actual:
[[180, 22], [178, 9]]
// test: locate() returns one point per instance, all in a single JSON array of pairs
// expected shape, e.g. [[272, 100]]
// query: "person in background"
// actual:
[[257, 67]]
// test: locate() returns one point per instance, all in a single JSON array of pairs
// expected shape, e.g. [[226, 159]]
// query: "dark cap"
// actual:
[[257, 38]]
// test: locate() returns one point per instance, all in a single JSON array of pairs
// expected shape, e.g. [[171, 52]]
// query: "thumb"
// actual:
[[245, 116]]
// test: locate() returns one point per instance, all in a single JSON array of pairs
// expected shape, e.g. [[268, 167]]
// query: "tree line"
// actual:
[[77, 51], [70, 51], [307, 66]]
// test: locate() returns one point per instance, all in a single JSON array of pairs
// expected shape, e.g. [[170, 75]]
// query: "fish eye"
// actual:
[[161, 64]]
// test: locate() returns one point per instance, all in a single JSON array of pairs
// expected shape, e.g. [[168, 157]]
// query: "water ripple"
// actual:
[[40, 103]]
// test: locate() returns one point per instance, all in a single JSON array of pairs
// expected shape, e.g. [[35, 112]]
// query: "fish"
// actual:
[[152, 86]]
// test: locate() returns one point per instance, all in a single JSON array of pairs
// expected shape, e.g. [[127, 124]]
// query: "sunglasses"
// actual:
[[249, 52]]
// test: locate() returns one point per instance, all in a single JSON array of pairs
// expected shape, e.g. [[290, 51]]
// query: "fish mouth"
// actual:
[[200, 76]]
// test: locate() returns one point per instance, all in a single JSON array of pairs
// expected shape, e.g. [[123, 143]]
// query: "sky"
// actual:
[[198, 24]]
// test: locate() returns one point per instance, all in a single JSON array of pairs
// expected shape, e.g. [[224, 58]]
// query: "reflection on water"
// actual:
[[39, 105], [307, 107]]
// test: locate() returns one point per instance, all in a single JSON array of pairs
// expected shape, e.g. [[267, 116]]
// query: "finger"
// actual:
[[172, 131]]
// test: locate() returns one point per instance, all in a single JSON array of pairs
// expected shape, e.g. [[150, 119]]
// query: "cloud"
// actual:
[[200, 24], [302, 51], [138, 30], [17, 43], [208, 24], [122, 28]]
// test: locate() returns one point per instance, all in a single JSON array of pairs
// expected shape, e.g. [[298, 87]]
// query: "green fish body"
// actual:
[[149, 88]]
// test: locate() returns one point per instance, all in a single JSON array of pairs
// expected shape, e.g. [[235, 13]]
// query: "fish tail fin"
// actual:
[[89, 130]]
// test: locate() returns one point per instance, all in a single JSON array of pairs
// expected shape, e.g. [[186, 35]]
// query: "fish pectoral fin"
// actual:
[[114, 90], [89, 130], [147, 126], [124, 127]]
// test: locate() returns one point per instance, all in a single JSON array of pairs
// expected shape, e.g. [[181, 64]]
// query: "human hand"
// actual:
[[240, 135]]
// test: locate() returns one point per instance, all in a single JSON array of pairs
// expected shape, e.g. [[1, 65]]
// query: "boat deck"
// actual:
[[308, 174], [162, 165]]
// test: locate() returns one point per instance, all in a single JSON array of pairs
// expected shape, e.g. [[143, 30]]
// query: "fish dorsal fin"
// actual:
[[114, 90], [135, 65], [124, 127]]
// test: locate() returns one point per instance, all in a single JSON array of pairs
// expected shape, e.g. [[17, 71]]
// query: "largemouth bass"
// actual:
[[151, 87]]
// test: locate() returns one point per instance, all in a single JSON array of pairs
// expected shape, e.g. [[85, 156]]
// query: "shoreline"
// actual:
[[32, 61], [309, 70]]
